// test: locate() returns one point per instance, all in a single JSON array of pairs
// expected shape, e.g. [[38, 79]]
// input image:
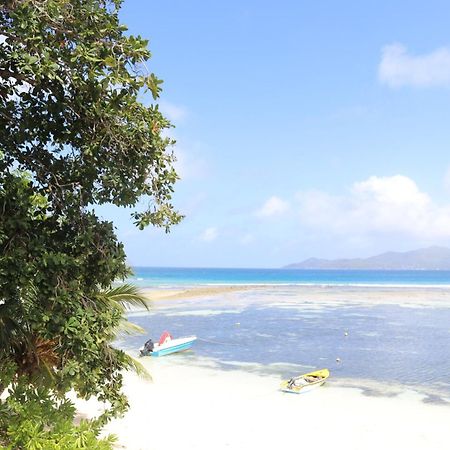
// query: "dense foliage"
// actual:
[[74, 133]]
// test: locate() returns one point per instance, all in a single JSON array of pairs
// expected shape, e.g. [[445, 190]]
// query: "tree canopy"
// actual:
[[76, 131]]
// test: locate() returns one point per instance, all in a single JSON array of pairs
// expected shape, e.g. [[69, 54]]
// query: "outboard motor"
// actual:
[[147, 348]]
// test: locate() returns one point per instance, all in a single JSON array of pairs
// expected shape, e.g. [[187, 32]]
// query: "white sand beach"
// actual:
[[192, 403], [203, 408]]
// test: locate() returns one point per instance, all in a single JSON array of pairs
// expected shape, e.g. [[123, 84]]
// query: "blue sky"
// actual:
[[303, 128]]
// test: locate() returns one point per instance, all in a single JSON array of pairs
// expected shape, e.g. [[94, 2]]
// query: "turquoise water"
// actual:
[[275, 331], [166, 277]]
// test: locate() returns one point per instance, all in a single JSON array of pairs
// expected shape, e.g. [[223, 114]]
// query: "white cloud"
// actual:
[[379, 205], [175, 113], [398, 68], [273, 206], [209, 234]]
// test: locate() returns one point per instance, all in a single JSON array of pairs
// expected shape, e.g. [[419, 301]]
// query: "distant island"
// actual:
[[431, 258]]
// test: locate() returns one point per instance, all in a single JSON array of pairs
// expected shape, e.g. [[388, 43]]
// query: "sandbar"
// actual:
[[402, 295]]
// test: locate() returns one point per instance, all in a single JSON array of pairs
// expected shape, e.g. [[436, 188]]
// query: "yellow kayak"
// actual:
[[306, 382]]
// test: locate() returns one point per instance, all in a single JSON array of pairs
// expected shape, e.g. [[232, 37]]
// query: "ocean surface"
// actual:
[[168, 277], [274, 330]]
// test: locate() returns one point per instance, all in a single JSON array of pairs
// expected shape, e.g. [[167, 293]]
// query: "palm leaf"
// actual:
[[134, 365], [125, 295], [127, 328]]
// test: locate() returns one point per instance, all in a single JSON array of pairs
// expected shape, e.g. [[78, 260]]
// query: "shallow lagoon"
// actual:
[[272, 331]]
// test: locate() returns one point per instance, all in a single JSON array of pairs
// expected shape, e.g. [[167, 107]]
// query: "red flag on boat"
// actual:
[[165, 337]]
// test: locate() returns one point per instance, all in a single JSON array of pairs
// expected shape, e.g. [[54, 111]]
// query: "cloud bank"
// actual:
[[399, 68], [377, 206]]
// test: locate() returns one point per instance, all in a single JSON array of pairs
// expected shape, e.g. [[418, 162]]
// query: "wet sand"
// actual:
[[184, 293], [417, 295]]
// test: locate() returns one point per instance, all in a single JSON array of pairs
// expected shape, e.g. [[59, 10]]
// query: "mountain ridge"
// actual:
[[430, 258]]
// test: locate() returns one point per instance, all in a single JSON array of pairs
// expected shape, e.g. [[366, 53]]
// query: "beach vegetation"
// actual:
[[79, 127]]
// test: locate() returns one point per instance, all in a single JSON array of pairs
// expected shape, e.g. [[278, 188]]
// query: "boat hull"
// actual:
[[322, 376], [173, 346]]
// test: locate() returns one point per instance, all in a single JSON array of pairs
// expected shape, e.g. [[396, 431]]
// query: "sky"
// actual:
[[303, 129]]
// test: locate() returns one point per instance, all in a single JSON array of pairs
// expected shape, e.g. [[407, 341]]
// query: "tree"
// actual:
[[74, 133]]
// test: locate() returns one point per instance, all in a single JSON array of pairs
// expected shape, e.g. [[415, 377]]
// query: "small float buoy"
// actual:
[[346, 333], [237, 323], [338, 360]]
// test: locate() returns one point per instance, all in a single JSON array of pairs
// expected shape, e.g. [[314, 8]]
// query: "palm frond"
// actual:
[[127, 328], [134, 365], [44, 358], [127, 296]]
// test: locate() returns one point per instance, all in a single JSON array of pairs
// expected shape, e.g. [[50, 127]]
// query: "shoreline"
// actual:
[[194, 402], [420, 295], [201, 407]]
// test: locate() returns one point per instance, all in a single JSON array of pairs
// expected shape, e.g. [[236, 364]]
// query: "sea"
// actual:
[[380, 348], [170, 277]]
